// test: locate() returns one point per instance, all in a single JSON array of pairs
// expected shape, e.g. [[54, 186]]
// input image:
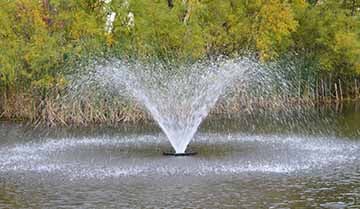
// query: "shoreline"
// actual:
[[50, 113]]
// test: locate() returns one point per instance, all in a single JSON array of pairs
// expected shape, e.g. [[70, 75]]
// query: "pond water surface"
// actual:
[[304, 158]]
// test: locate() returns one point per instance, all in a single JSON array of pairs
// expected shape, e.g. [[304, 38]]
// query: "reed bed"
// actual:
[[53, 111]]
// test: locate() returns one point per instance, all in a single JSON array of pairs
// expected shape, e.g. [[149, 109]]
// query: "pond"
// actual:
[[303, 158]]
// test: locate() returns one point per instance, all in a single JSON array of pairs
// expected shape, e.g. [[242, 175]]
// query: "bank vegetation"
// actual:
[[44, 42]]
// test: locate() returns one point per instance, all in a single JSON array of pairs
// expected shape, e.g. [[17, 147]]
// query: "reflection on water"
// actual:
[[306, 158]]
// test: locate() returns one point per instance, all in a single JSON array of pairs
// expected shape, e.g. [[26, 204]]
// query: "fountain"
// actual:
[[177, 97], [288, 156]]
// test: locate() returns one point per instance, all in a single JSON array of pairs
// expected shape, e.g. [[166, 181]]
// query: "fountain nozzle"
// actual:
[[173, 153]]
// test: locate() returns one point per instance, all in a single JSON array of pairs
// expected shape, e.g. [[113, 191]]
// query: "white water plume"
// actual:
[[177, 97]]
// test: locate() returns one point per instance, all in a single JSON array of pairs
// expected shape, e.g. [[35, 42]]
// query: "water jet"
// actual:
[[178, 98]]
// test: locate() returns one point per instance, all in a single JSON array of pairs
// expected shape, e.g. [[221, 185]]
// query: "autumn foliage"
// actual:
[[42, 41]]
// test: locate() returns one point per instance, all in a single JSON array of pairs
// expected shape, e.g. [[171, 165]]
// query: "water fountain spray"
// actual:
[[177, 97]]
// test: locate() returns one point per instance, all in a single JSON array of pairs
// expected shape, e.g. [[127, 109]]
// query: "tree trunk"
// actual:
[[353, 8], [341, 91], [170, 3], [187, 15], [322, 89], [46, 5], [356, 89], [336, 92]]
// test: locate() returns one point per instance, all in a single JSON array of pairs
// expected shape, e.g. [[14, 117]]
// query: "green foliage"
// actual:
[[158, 31], [329, 35], [37, 43], [41, 40]]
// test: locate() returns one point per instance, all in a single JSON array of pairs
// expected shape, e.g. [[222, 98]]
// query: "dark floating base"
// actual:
[[173, 153]]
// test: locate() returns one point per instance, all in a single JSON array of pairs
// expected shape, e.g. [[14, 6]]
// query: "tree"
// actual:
[[326, 33], [45, 37]]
